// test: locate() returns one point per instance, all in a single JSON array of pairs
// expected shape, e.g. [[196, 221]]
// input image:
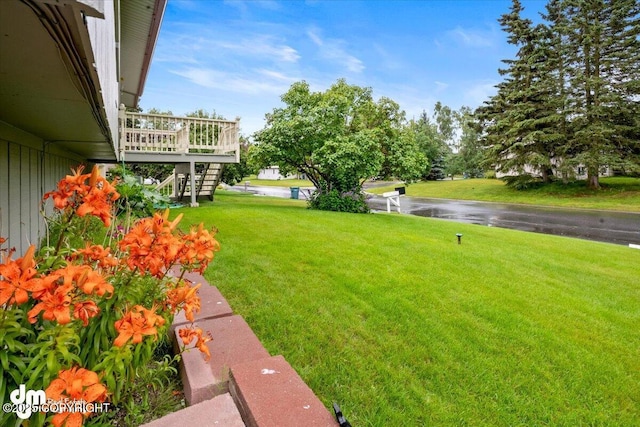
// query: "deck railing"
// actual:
[[167, 187], [173, 184], [156, 133]]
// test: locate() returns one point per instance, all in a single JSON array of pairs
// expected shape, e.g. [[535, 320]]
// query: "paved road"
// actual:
[[303, 193], [604, 226]]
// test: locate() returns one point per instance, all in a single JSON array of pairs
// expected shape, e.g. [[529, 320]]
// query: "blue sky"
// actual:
[[239, 57]]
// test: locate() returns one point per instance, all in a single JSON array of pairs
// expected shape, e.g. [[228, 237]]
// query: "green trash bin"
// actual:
[[294, 192]]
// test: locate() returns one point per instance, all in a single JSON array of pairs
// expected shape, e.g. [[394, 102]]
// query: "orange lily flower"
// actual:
[[94, 198], [75, 384], [49, 283], [85, 310], [57, 294], [84, 278], [67, 188], [56, 306], [96, 253], [161, 222], [98, 203], [185, 297], [18, 278], [135, 323], [198, 249], [95, 174], [71, 273], [91, 281], [188, 334], [151, 246], [138, 236]]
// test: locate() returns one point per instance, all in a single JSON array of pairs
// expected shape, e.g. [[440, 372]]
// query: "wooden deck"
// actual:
[[183, 142], [156, 138]]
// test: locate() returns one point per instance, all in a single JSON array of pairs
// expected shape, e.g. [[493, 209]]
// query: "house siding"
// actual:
[[102, 34], [27, 171]]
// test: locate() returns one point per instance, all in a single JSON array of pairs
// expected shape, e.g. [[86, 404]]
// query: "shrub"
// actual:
[[137, 199], [522, 182], [334, 200], [490, 174], [80, 322]]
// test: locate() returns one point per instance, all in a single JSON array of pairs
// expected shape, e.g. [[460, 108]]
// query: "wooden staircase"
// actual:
[[209, 180], [178, 186], [206, 182]]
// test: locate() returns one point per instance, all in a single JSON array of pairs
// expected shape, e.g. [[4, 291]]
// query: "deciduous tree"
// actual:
[[338, 138]]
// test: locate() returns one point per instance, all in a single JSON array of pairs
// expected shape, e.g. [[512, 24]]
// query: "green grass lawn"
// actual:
[[388, 316], [253, 179], [617, 193]]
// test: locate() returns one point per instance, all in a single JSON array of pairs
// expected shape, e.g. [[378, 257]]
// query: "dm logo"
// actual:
[[25, 400]]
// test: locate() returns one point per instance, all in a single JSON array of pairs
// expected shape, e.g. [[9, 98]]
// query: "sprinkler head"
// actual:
[[459, 236]]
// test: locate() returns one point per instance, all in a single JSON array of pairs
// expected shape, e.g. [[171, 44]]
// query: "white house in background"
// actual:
[[270, 172], [68, 69], [579, 172], [273, 173]]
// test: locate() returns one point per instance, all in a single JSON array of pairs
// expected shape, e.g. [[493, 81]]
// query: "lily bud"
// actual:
[[27, 259]]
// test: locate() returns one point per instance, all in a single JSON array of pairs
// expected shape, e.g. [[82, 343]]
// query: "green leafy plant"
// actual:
[[137, 199], [82, 322], [333, 200]]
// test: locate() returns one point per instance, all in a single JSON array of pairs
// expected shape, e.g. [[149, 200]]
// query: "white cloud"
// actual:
[[176, 57], [202, 44], [480, 92], [268, 4], [262, 46], [473, 37], [411, 98], [440, 86], [244, 83], [187, 5], [388, 60], [263, 4], [314, 37], [333, 49], [276, 75]]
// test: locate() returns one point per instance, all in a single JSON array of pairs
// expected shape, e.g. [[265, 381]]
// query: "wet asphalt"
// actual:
[[621, 228], [604, 226]]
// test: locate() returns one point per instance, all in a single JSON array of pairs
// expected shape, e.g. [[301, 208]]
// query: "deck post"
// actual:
[[122, 136], [176, 183], [192, 179], [236, 138]]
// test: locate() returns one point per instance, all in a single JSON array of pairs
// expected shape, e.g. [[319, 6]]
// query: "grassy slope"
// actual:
[[388, 316], [253, 179], [617, 193]]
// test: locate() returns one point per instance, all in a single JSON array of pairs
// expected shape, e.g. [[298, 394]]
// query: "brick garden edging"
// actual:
[[241, 385]]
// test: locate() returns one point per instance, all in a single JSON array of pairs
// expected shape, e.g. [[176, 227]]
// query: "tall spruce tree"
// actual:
[[557, 48], [521, 132], [603, 71], [571, 97]]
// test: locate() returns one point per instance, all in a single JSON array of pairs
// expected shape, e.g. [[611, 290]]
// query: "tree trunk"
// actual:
[[547, 173], [593, 181]]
